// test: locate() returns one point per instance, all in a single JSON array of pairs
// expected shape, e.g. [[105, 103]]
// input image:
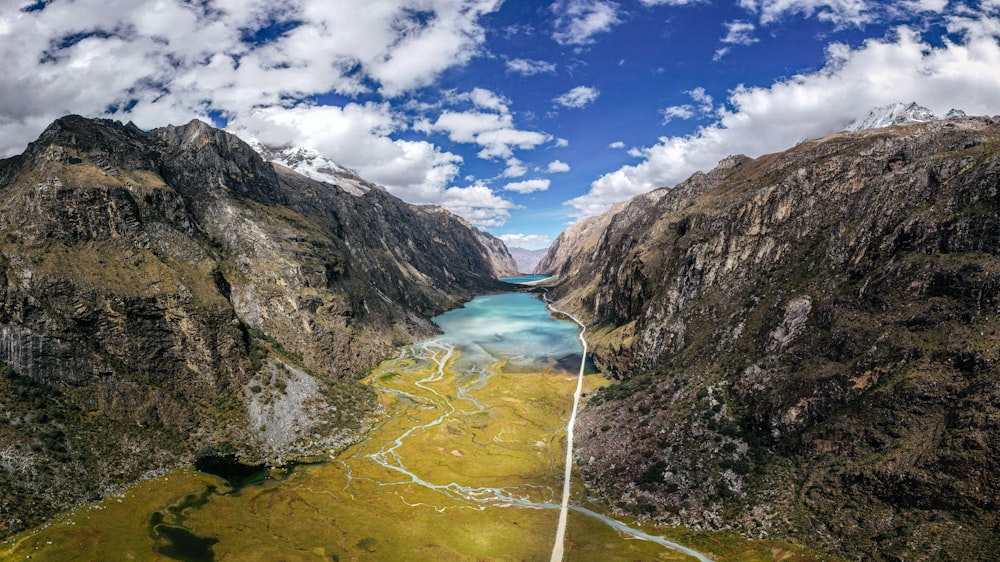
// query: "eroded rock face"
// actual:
[[173, 281], [808, 342]]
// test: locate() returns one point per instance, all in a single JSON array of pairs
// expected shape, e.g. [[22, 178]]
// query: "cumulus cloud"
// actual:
[[578, 21], [617, 145], [169, 61], [478, 204], [358, 137], [488, 124], [494, 132], [677, 112], [527, 186], [578, 97], [529, 241], [703, 106], [937, 6], [527, 67], [515, 168], [838, 12], [739, 33], [900, 67], [557, 167], [670, 2]]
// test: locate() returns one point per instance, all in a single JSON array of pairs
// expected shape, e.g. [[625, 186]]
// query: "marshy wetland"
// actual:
[[465, 463]]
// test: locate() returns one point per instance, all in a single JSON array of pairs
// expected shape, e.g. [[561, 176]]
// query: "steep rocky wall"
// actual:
[[172, 282], [803, 339]]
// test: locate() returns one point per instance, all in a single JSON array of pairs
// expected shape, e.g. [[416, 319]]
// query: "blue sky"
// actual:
[[520, 116]]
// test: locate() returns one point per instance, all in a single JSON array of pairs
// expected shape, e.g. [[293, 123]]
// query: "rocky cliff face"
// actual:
[[176, 292], [313, 165], [808, 343]]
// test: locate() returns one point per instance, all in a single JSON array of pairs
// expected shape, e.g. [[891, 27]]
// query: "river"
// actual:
[[466, 463]]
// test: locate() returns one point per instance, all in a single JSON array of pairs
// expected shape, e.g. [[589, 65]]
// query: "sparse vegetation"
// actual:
[[809, 343]]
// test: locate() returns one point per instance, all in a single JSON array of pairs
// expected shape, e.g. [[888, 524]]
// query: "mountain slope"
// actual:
[[808, 343], [175, 292], [315, 166], [527, 260]]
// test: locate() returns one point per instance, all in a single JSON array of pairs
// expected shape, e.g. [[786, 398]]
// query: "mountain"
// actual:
[[806, 343], [527, 260], [314, 165], [898, 114], [168, 294]]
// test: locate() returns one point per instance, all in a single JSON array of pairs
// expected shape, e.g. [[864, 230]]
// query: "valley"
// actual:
[[790, 357], [464, 462]]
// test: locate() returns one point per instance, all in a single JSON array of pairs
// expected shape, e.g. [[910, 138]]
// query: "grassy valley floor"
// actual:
[[462, 466]]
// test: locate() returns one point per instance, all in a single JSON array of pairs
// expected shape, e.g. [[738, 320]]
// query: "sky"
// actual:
[[521, 116]]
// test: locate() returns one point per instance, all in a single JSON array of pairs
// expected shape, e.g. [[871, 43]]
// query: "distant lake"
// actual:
[[525, 278]]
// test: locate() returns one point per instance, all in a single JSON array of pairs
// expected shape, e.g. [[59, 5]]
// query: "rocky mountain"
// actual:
[[807, 344], [169, 293], [526, 260], [899, 114], [314, 165]]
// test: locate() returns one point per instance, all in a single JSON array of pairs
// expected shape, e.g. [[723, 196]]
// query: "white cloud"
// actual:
[[526, 67], [494, 132], [702, 98], [762, 120], [838, 12], [704, 106], [936, 6], [580, 96], [478, 204], [617, 145], [486, 99], [527, 186], [557, 167], [578, 21], [739, 33], [356, 136], [528, 241], [465, 126], [677, 112], [489, 124], [500, 143], [169, 61], [670, 2], [515, 168]]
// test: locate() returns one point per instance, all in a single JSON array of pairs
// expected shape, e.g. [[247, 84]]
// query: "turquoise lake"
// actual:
[[511, 327], [524, 278]]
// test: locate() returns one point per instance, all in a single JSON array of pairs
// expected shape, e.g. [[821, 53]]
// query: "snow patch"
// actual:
[[314, 165]]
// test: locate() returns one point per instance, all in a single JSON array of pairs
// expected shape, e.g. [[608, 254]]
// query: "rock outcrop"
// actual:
[[176, 292], [808, 344]]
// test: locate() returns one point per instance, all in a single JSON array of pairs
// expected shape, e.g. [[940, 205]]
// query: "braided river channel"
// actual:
[[465, 463]]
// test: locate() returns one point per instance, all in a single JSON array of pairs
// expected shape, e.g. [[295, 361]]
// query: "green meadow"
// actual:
[[462, 465]]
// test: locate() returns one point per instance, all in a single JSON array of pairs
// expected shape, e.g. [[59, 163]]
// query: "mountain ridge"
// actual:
[[525, 259], [900, 113], [172, 289], [807, 344]]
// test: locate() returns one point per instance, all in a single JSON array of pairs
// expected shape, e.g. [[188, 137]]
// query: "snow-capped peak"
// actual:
[[893, 114], [313, 165]]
